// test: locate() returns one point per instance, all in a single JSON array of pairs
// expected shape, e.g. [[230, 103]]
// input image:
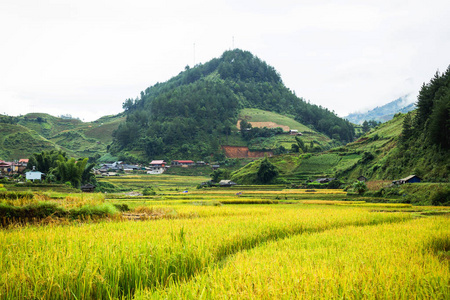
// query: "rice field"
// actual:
[[230, 244]]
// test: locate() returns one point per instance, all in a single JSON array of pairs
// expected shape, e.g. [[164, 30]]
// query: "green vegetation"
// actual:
[[59, 168], [196, 111], [415, 143], [36, 132], [17, 141]]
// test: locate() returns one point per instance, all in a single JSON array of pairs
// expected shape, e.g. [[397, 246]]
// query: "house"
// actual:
[[294, 132], [87, 188], [182, 163], [158, 163], [130, 167], [157, 167], [200, 163], [6, 167], [34, 175], [409, 179], [325, 180], [215, 167], [362, 178], [226, 183], [23, 161]]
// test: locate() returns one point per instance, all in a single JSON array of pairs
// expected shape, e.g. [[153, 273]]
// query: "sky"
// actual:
[[85, 58]]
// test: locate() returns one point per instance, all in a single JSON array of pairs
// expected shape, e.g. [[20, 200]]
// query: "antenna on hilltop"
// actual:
[[232, 43], [194, 55]]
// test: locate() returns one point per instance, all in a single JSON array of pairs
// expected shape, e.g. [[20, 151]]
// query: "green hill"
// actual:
[[17, 142], [414, 143], [34, 132], [195, 112]]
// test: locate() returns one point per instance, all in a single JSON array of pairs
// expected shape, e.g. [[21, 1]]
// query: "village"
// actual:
[[18, 171]]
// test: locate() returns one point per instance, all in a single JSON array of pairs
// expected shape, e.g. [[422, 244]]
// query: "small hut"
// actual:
[[88, 188], [409, 179], [362, 178]]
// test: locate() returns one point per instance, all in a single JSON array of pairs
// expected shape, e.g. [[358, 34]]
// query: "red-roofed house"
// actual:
[[157, 167], [183, 162], [23, 161]]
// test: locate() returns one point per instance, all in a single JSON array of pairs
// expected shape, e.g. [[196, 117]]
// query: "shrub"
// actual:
[[106, 187], [441, 197], [122, 207], [148, 191], [359, 187]]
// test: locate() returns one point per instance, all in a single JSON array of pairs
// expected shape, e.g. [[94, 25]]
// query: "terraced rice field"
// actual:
[[255, 247]]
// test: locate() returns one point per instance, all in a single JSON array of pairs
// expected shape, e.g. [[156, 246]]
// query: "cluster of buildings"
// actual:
[[10, 168], [13, 167], [155, 167]]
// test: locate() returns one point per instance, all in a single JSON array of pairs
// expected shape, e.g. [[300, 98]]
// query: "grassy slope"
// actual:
[[17, 141], [285, 140], [373, 156], [39, 131]]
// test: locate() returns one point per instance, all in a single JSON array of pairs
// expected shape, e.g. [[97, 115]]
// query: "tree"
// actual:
[[365, 127], [439, 122], [301, 145], [127, 105], [407, 130], [72, 171], [360, 187], [220, 174], [267, 171]]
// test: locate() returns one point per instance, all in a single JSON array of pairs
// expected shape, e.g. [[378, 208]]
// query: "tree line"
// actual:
[[59, 168]]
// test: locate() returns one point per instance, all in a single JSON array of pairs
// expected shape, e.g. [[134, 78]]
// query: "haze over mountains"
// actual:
[[385, 112]]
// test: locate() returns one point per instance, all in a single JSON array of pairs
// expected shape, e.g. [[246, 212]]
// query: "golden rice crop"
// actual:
[[115, 259], [407, 260]]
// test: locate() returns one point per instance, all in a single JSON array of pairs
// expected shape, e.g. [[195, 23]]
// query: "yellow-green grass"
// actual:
[[257, 115], [408, 260], [116, 259], [161, 182]]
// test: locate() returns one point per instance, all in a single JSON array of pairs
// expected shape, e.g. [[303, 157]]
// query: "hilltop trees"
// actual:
[[431, 121]]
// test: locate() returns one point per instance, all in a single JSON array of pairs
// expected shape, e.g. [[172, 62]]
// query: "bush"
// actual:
[[441, 197], [360, 187], [148, 191], [102, 210], [106, 187], [122, 207], [16, 195], [334, 184]]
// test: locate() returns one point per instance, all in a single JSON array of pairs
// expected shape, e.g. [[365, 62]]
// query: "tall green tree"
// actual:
[[407, 129], [267, 171], [301, 144], [72, 171]]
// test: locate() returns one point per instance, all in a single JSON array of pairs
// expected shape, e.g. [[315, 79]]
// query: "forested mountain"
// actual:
[[383, 113], [195, 112]]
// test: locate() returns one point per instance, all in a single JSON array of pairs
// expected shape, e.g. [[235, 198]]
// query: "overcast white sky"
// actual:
[[85, 57]]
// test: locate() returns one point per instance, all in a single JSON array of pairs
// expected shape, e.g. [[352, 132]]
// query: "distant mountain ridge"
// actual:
[[383, 113]]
